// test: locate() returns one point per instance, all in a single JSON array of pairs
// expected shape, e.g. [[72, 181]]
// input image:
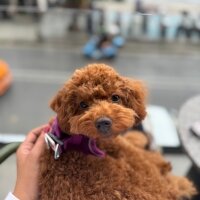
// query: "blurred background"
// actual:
[[42, 42]]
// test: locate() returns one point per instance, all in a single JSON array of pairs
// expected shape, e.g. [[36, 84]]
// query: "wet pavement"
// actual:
[[40, 70]]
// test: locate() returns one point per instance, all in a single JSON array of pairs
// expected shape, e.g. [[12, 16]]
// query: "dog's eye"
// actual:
[[115, 98], [83, 105]]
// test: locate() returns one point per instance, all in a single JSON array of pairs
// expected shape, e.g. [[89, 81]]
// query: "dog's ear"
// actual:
[[136, 98], [60, 99], [56, 102], [64, 102]]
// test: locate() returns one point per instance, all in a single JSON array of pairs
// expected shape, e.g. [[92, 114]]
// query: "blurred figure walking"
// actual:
[[42, 5], [197, 25], [4, 12], [186, 25]]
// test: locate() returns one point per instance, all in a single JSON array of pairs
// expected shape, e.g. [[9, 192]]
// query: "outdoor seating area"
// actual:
[[101, 98]]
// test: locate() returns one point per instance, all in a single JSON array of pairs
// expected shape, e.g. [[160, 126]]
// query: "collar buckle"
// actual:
[[54, 143]]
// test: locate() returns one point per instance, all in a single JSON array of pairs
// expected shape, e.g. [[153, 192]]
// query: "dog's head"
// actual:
[[98, 102]]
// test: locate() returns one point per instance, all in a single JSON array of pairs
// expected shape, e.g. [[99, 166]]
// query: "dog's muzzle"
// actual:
[[104, 125]]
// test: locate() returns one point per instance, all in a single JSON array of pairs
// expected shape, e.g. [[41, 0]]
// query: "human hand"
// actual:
[[28, 164]]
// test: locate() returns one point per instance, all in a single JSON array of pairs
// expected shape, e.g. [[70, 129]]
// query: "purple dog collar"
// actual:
[[61, 142]]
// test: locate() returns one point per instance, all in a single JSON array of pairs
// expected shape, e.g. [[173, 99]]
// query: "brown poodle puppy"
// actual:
[[99, 105]]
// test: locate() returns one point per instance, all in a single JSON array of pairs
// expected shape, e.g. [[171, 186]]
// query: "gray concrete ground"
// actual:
[[171, 73]]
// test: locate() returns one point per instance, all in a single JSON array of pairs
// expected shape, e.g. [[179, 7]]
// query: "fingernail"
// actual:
[[46, 129]]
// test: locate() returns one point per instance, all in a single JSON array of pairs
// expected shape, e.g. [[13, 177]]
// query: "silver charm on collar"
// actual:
[[51, 143]]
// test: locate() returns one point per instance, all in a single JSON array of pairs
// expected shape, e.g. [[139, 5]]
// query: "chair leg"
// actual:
[[194, 175]]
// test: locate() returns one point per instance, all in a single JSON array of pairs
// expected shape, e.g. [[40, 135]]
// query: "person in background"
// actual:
[[186, 25], [4, 12], [164, 24], [197, 25], [42, 5], [89, 20]]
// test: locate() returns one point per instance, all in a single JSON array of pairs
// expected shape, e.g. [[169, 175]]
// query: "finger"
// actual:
[[29, 142], [33, 135], [39, 146]]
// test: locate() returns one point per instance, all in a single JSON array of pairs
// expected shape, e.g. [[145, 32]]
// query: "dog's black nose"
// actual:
[[103, 124]]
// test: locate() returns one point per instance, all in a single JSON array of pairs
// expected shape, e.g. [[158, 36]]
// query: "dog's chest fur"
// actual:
[[122, 174]]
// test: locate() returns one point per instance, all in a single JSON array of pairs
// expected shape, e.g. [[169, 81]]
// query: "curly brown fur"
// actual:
[[128, 172], [95, 85]]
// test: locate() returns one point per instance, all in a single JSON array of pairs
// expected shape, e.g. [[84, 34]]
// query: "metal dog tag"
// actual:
[[57, 152], [51, 143]]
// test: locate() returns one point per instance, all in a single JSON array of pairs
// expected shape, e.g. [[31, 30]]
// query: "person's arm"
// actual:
[[28, 164]]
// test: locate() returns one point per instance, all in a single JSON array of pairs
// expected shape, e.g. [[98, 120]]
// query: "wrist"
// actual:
[[24, 191], [18, 193]]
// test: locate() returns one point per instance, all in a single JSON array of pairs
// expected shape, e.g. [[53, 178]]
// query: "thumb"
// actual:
[[39, 146]]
